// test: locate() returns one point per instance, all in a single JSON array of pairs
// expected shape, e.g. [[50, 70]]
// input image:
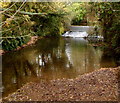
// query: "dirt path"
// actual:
[[101, 85]]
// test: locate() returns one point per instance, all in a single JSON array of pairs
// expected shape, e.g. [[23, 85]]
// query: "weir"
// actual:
[[78, 31]]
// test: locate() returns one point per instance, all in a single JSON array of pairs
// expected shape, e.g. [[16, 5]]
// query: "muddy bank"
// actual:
[[32, 41], [101, 85]]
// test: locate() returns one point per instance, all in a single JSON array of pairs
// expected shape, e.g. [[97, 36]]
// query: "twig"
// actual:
[[14, 37]]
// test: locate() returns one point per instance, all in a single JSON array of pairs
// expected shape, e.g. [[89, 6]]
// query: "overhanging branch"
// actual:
[[30, 13], [23, 12]]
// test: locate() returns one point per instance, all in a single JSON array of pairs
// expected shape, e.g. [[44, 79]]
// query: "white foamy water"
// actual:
[[75, 34]]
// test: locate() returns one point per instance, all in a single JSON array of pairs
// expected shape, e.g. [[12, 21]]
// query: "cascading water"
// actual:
[[77, 31], [75, 34]]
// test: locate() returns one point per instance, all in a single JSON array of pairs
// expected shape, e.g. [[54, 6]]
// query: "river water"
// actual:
[[51, 58]]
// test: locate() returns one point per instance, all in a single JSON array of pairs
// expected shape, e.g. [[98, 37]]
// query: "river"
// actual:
[[49, 59]]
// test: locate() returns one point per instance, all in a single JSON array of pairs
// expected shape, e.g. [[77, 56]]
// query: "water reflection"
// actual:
[[49, 59]]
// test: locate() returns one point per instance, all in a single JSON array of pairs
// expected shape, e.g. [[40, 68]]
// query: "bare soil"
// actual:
[[100, 85]]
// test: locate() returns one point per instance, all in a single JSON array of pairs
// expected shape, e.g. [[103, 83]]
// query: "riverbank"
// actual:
[[32, 41], [100, 85]]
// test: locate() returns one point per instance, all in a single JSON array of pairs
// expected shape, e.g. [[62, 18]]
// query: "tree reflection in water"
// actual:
[[49, 58]]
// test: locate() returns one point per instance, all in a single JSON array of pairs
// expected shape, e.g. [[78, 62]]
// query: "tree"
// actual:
[[22, 20], [108, 15]]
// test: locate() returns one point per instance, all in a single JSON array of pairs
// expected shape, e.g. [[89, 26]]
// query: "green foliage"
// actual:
[[54, 18], [10, 44], [49, 26], [108, 15], [79, 12], [115, 41], [14, 30]]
